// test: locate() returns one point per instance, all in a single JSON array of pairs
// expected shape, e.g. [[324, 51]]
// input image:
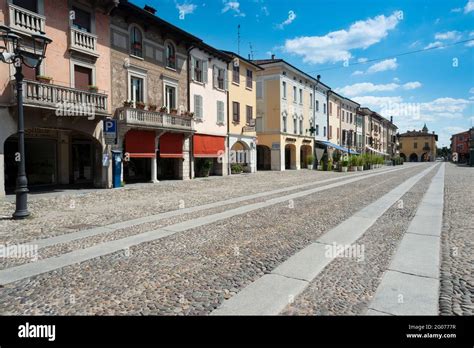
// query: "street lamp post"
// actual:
[[18, 57]]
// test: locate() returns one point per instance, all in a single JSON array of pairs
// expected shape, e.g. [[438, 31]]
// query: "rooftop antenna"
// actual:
[[238, 39], [251, 51]]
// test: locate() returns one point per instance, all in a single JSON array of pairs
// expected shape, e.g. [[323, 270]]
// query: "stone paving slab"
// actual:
[[267, 295], [418, 255], [426, 225], [406, 294], [306, 264]]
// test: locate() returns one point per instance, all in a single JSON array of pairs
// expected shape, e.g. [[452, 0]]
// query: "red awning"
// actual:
[[208, 145], [140, 144], [171, 145]]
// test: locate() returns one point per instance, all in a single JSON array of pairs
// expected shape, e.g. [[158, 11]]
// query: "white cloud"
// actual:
[[288, 21], [357, 72], [365, 87], [265, 10], [446, 105], [469, 6], [457, 9], [185, 9], [362, 88], [396, 79], [384, 65], [362, 60], [233, 6], [336, 46], [470, 44], [471, 90], [376, 103], [434, 45], [412, 85], [449, 35]]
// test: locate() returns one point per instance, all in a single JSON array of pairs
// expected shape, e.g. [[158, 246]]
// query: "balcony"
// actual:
[[426, 148], [153, 119], [66, 101], [83, 41], [26, 21]]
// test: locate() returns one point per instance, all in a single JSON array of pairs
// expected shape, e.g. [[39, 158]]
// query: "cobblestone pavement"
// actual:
[[347, 285], [71, 212], [457, 253], [192, 272]]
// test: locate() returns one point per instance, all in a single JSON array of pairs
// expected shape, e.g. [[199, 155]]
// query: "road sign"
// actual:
[[110, 131]]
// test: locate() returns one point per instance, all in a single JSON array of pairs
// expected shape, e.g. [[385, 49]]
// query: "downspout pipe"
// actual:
[[191, 142]]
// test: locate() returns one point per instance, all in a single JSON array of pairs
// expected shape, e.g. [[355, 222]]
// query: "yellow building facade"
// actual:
[[418, 146], [242, 108], [285, 115]]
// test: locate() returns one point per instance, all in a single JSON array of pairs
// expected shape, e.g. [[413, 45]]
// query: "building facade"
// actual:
[[242, 109], [418, 146], [460, 145], [65, 98], [208, 100], [321, 92], [284, 116], [149, 64]]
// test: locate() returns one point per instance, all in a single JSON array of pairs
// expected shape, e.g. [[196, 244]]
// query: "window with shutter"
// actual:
[[198, 112], [220, 112], [249, 115], [236, 112]]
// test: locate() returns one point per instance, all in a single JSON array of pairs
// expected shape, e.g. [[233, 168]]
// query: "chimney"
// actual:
[[391, 119], [150, 9]]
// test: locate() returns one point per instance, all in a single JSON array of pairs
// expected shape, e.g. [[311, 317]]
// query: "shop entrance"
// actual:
[[82, 162]]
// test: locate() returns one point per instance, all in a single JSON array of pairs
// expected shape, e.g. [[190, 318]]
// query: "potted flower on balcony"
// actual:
[[127, 103], [344, 165], [93, 89], [44, 79], [140, 105], [310, 161], [163, 109], [152, 107], [174, 111]]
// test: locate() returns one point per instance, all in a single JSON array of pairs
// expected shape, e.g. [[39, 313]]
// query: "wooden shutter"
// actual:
[[220, 111], [198, 106], [82, 77], [215, 73], [204, 71]]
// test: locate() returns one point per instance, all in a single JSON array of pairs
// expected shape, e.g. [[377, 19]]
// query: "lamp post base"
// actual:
[[21, 210]]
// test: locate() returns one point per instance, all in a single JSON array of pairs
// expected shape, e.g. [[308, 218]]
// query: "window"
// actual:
[[330, 130], [294, 95], [295, 126], [249, 79], [324, 107], [351, 117], [415, 145], [343, 118], [170, 56], [284, 124], [311, 100], [301, 96], [220, 112], [219, 78], [199, 70], [317, 105], [198, 114], [235, 112], [301, 127], [249, 110], [82, 77], [136, 41], [324, 131], [82, 20], [236, 74], [31, 5], [317, 129], [338, 112], [170, 94], [330, 108], [136, 89], [338, 134], [284, 89]]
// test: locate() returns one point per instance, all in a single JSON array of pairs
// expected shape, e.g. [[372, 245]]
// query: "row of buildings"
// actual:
[[180, 104]]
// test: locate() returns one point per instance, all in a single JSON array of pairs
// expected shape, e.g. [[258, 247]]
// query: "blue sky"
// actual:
[[335, 38]]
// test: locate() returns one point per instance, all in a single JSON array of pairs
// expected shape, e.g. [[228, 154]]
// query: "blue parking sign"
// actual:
[[110, 131]]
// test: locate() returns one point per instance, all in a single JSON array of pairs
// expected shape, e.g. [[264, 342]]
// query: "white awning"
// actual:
[[377, 151]]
